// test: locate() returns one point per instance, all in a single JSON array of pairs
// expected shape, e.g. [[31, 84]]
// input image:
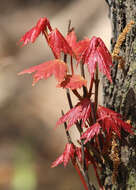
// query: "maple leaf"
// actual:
[[91, 132], [65, 156], [58, 43], [71, 39], [80, 112], [34, 32], [56, 67], [73, 82], [111, 120], [97, 53], [77, 47]]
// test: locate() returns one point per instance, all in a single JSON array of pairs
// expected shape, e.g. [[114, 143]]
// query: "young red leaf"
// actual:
[[72, 39], [58, 161], [58, 44], [73, 82], [111, 120], [127, 127], [68, 154], [34, 32], [81, 46], [56, 67], [77, 47], [91, 132], [97, 53], [80, 112]]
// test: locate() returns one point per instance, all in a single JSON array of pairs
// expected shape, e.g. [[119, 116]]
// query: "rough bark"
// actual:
[[121, 94]]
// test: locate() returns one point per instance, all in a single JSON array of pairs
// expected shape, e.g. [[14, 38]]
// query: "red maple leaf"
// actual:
[[64, 158], [34, 32], [111, 120], [73, 82], [58, 43], [80, 112], [91, 132], [77, 47], [71, 39], [56, 67], [97, 53]]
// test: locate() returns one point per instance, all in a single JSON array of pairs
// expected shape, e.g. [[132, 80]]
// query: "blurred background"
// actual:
[[28, 141]]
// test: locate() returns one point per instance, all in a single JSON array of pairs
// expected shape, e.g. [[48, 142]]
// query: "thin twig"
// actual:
[[73, 162], [67, 132], [93, 115], [84, 167], [79, 128], [71, 63], [96, 173], [75, 92], [70, 101], [81, 176], [69, 27], [91, 87], [82, 69], [96, 88], [85, 92], [71, 106], [69, 98], [65, 58]]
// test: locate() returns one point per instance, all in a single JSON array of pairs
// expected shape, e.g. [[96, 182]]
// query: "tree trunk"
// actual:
[[121, 94]]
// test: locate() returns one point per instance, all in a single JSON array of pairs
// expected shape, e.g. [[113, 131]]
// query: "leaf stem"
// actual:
[[85, 92], [93, 114], [69, 98], [96, 88], [75, 92], [81, 176], [72, 68], [97, 176], [73, 162], [45, 33], [91, 87], [67, 132], [84, 167], [65, 58]]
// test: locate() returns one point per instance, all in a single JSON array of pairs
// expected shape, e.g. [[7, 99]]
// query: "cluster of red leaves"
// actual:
[[56, 67], [89, 51], [95, 55], [111, 120], [64, 158], [80, 112], [71, 152], [107, 121]]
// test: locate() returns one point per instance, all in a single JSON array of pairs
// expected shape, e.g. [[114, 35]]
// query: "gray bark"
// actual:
[[121, 94]]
